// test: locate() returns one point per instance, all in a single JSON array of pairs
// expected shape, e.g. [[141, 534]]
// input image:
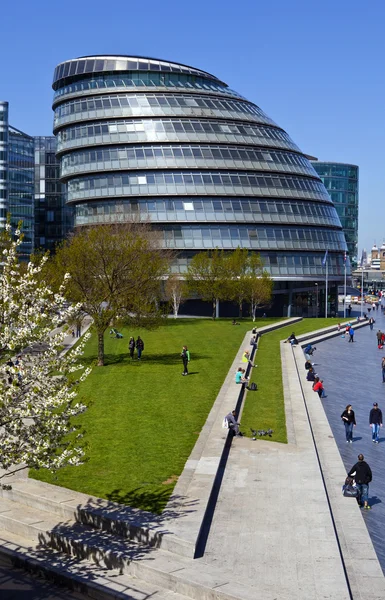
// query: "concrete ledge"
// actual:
[[363, 569]]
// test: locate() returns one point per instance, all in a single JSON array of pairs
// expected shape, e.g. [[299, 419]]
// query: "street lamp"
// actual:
[[316, 292]]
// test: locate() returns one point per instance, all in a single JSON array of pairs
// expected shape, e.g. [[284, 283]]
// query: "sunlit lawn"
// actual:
[[144, 417], [264, 409]]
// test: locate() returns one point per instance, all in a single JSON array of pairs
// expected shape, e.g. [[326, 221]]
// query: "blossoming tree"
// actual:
[[37, 389]]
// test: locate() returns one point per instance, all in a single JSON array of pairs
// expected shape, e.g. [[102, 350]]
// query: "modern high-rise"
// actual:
[[209, 168], [17, 179], [341, 181], [53, 217]]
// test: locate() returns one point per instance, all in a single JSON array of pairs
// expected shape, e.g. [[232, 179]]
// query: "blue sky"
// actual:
[[316, 68]]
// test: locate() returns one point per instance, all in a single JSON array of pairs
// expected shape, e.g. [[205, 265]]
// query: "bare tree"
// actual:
[[207, 276], [175, 291]]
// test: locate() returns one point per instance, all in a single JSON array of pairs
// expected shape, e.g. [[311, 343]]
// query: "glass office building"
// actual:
[[209, 168], [341, 181], [17, 179], [53, 217]]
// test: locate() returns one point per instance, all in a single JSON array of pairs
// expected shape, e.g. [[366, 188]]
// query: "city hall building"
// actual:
[[209, 168]]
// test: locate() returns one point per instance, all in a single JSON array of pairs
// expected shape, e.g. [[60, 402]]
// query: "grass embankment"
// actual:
[[265, 409], [144, 418]]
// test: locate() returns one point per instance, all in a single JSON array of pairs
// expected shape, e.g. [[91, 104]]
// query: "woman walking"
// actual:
[[349, 420], [139, 347], [383, 369], [131, 347], [185, 354]]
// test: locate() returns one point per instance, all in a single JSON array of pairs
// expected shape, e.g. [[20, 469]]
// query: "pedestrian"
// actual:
[[131, 347], [78, 328], [349, 420], [373, 306], [375, 422], [139, 347], [379, 337], [371, 323], [349, 310], [233, 423], [185, 354], [351, 334], [339, 327], [362, 474], [383, 369], [369, 309], [377, 306]]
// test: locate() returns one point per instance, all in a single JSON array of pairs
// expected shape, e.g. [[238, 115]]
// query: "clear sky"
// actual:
[[316, 68]]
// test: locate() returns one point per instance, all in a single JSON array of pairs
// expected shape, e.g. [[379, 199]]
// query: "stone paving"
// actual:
[[352, 375]]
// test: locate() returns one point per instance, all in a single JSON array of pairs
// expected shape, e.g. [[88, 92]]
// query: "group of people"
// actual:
[[138, 345], [349, 420], [317, 382]]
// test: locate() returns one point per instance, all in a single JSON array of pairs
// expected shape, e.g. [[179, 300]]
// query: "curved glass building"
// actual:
[[209, 168]]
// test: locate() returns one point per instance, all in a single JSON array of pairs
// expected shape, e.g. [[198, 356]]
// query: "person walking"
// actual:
[[349, 310], [371, 323], [351, 334], [362, 474], [139, 347], [379, 337], [383, 369], [185, 354], [375, 421], [131, 347], [349, 420]]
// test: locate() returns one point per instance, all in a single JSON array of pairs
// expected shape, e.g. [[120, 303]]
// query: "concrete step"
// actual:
[[162, 569], [141, 526], [79, 576]]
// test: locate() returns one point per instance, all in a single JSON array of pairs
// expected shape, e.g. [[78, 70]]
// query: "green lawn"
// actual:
[[264, 409], [144, 417]]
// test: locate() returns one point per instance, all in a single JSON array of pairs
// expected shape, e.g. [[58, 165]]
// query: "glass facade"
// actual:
[[173, 144], [341, 181], [20, 185], [3, 162], [53, 217]]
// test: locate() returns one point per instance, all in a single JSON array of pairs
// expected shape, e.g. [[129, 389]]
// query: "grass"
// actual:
[[143, 417], [264, 409]]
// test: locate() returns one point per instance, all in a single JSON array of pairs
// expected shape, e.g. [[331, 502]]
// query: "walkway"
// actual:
[[352, 374]]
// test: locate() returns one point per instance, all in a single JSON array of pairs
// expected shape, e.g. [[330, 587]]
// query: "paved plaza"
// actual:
[[352, 375]]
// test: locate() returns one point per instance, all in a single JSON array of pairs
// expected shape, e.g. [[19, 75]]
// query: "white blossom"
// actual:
[[37, 395]]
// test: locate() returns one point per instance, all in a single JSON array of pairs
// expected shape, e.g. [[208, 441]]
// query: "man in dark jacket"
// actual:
[[375, 422], [362, 474]]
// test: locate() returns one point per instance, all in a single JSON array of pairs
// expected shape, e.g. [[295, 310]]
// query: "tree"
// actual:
[[116, 273], [37, 393], [238, 273], [258, 284], [175, 291], [208, 277]]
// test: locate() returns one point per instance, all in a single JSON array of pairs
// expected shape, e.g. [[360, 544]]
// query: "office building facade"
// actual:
[[17, 179], [341, 181], [53, 217], [142, 136]]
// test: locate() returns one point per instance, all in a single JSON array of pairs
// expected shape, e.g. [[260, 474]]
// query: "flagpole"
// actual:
[[326, 289], [362, 289], [345, 288]]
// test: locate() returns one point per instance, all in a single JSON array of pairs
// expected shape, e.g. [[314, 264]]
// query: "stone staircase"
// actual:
[[100, 549]]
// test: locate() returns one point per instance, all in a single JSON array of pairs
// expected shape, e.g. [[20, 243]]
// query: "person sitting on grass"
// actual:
[[234, 322]]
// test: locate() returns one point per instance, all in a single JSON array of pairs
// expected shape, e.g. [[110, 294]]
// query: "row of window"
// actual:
[[336, 170], [265, 135], [128, 80], [121, 63], [140, 153], [284, 182], [143, 101], [340, 184]]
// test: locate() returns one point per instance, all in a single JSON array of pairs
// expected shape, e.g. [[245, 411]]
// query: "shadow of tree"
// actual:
[[124, 358]]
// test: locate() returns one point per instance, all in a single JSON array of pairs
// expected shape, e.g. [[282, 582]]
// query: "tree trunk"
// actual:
[[240, 310], [214, 307], [101, 348]]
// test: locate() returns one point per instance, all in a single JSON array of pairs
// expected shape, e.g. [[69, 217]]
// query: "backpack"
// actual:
[[225, 423], [253, 387]]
